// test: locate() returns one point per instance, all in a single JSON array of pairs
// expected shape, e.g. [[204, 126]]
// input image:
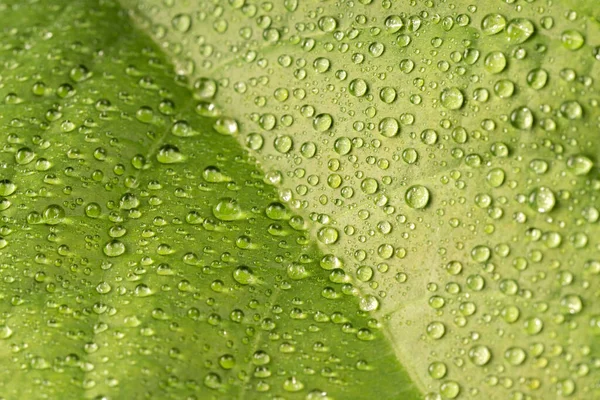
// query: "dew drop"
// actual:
[[572, 39], [328, 235], [493, 24], [480, 355], [417, 196], [228, 209], [244, 275], [542, 199], [519, 30], [169, 154], [322, 122], [114, 248], [495, 62], [182, 22], [452, 98], [522, 118], [436, 330]]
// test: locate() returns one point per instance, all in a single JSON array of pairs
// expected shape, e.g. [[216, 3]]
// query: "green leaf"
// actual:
[[299, 199], [143, 255]]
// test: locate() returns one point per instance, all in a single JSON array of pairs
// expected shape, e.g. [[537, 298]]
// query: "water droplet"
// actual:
[[480, 355], [212, 381], [283, 144], [358, 87], [53, 214], [533, 325], [7, 187], [519, 30], [182, 22], [450, 389], [437, 370], [504, 88], [571, 109], [495, 62], [228, 209], [436, 330], [542, 199], [417, 196], [93, 210], [80, 73], [214, 175], [481, 253], [5, 332], [388, 95], [227, 361], [24, 156], [244, 276], [322, 122], [183, 129], [565, 387], [572, 39], [328, 235], [571, 304], [321, 65], [537, 78], [128, 201], [205, 89], [452, 98], [579, 164], [515, 355], [393, 23], [369, 185], [226, 126], [495, 177], [364, 273], [510, 314], [292, 384], [368, 303], [342, 146], [114, 248], [169, 154], [389, 127], [493, 24], [522, 118], [103, 288]]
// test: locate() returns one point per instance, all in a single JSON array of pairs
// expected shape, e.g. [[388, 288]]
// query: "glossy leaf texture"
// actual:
[[299, 199], [143, 255]]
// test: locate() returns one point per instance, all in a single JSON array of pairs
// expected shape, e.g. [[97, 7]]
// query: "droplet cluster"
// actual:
[[435, 217]]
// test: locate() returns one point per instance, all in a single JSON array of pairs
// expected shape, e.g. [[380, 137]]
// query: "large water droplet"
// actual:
[[519, 30], [114, 248], [495, 62], [169, 154], [328, 235], [452, 98], [322, 122], [228, 209], [522, 118], [244, 276], [182, 22], [542, 199], [579, 164], [417, 196], [7, 187], [493, 24], [480, 354], [53, 214], [358, 87]]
